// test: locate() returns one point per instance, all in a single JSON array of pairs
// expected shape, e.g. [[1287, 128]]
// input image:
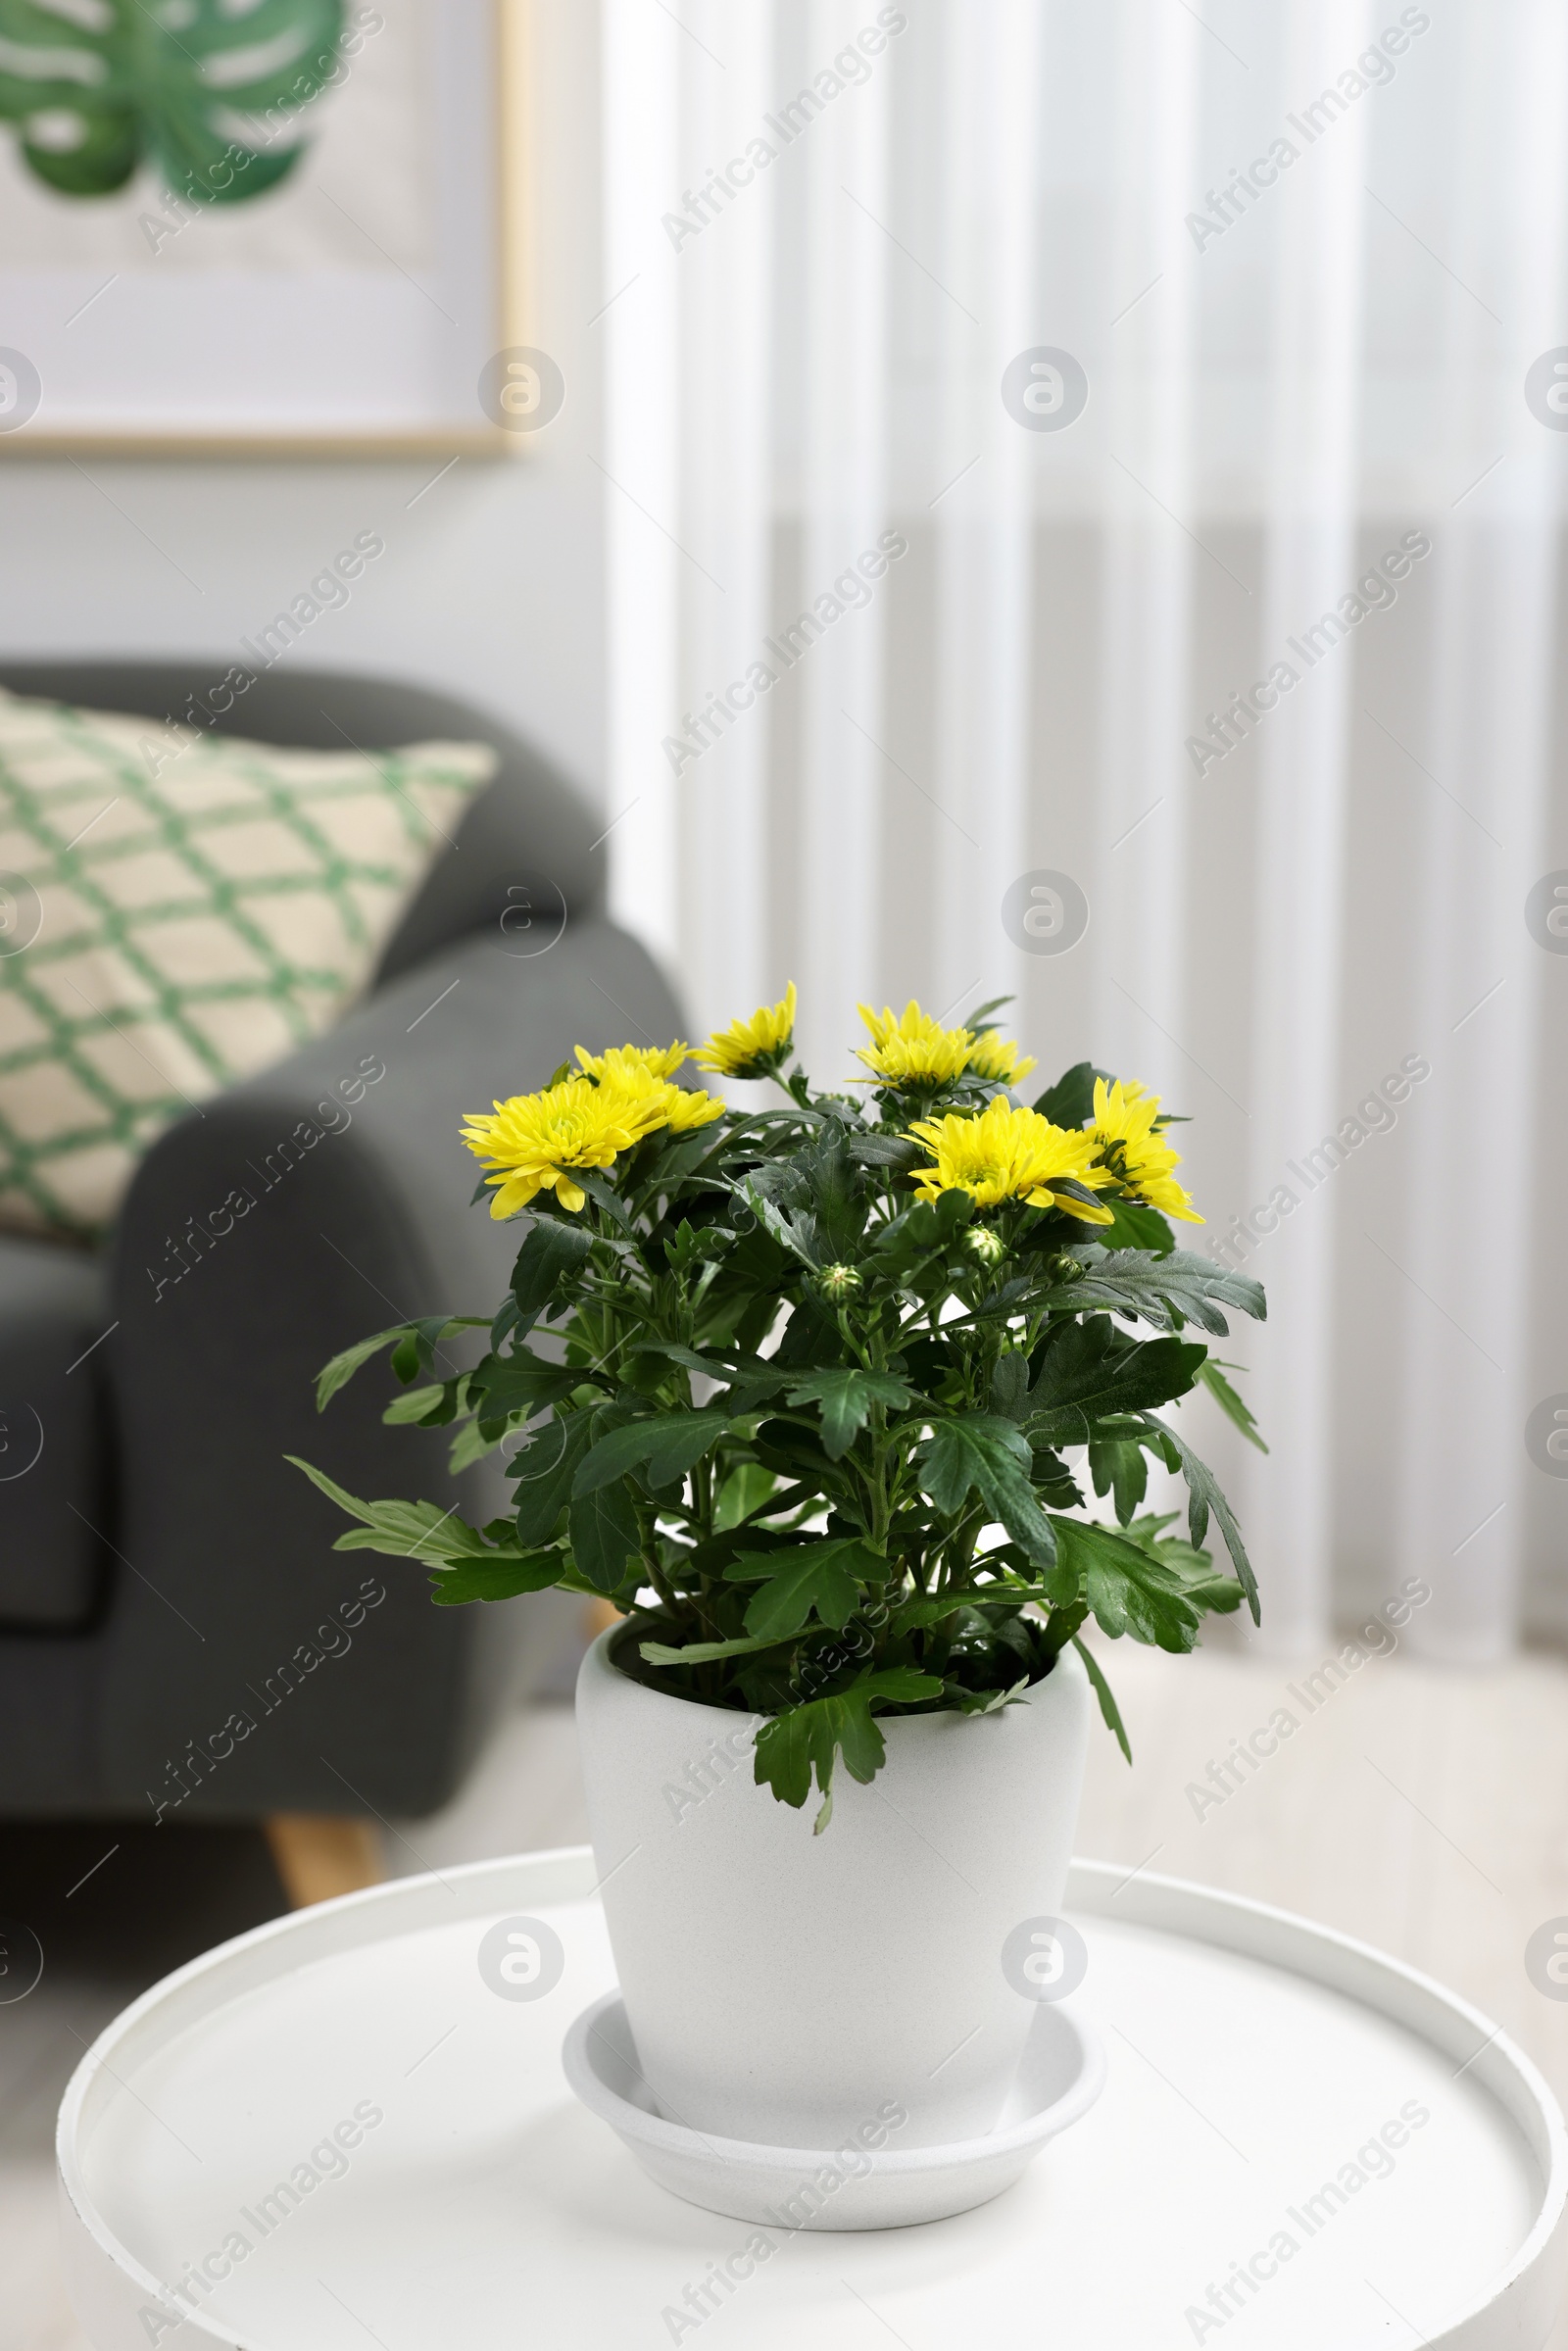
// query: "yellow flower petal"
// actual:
[[1131, 1149], [536, 1140], [531, 1139], [511, 1193], [754, 1047], [1089, 1211], [995, 1058], [648, 1104], [656, 1061], [1006, 1153], [910, 1049]]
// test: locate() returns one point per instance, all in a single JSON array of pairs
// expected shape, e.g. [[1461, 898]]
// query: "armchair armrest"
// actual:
[[250, 1667]]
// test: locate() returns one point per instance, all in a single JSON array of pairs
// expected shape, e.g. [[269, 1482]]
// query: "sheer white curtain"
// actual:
[[1304, 255]]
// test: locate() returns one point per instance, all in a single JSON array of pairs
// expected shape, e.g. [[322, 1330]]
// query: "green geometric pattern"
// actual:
[[175, 918]]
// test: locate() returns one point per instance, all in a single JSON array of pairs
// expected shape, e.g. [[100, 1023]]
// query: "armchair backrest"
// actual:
[[525, 853]]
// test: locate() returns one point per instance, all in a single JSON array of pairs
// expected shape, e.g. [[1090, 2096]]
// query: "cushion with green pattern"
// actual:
[[177, 911]]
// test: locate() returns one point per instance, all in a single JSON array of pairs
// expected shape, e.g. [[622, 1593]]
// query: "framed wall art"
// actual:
[[264, 224]]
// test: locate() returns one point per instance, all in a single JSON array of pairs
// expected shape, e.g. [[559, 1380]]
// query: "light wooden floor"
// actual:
[[1424, 1810]]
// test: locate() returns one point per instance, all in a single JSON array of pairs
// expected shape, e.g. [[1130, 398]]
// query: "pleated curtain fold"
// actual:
[[1253, 649]]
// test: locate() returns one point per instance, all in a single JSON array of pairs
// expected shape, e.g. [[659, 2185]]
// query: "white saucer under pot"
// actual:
[[868, 2179]]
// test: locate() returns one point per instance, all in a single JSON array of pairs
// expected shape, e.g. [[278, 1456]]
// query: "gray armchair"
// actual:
[[175, 1629]]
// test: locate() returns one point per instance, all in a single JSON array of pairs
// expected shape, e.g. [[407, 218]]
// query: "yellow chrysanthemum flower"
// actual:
[[534, 1142], [653, 1102], [910, 1049], [754, 1048], [659, 1061], [689, 1106], [1128, 1148], [997, 1059], [1009, 1154]]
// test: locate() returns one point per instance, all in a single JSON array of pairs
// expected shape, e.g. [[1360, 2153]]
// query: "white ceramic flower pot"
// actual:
[[788, 1989]]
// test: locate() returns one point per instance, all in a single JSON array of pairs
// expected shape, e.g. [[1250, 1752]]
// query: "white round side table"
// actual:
[[348, 2129]]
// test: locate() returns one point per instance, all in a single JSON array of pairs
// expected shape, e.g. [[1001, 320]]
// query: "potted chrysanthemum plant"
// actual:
[[846, 1405]]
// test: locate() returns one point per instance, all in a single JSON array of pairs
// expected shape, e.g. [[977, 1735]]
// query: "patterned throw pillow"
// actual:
[[177, 911]]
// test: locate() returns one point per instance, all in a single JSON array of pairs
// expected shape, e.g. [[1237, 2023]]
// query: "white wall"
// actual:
[[491, 583]]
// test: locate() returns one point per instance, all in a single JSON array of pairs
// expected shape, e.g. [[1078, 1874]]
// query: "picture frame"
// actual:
[[373, 304]]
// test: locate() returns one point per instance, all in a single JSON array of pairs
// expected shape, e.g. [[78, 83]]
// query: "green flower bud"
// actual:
[[839, 1282], [1062, 1268], [981, 1241]]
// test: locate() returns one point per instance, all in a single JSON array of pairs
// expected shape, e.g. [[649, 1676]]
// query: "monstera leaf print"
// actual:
[[100, 86]]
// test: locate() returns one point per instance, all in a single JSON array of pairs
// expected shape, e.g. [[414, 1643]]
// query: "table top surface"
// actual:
[[340, 2113]]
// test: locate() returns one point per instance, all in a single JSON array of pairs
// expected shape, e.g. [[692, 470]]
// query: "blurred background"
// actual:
[[1199, 378]]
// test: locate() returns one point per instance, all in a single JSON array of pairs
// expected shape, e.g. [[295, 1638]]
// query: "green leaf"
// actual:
[[605, 1197], [811, 1739], [964, 1700], [417, 1341], [717, 1556], [811, 1338], [405, 1531], [605, 1535], [976, 1020], [886, 1150], [409, 1409], [1216, 1592], [691, 1247], [838, 1195], [1109, 1711], [1163, 1291], [845, 1396], [406, 1335], [402, 1530], [794, 1232], [1212, 1376], [1055, 1487], [1009, 1383], [749, 1378], [1192, 1570], [678, 1156], [164, 88], [980, 1452], [1135, 1226], [1070, 1101], [502, 1384], [1088, 1370], [823, 1577], [1072, 1188], [342, 1368], [926, 1229], [1117, 1467], [701, 1652], [1204, 1495], [1127, 1589], [544, 1471], [469, 1445], [497, 1579], [746, 1489], [965, 1455], [796, 1452], [914, 1614], [548, 1260], [669, 1444]]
